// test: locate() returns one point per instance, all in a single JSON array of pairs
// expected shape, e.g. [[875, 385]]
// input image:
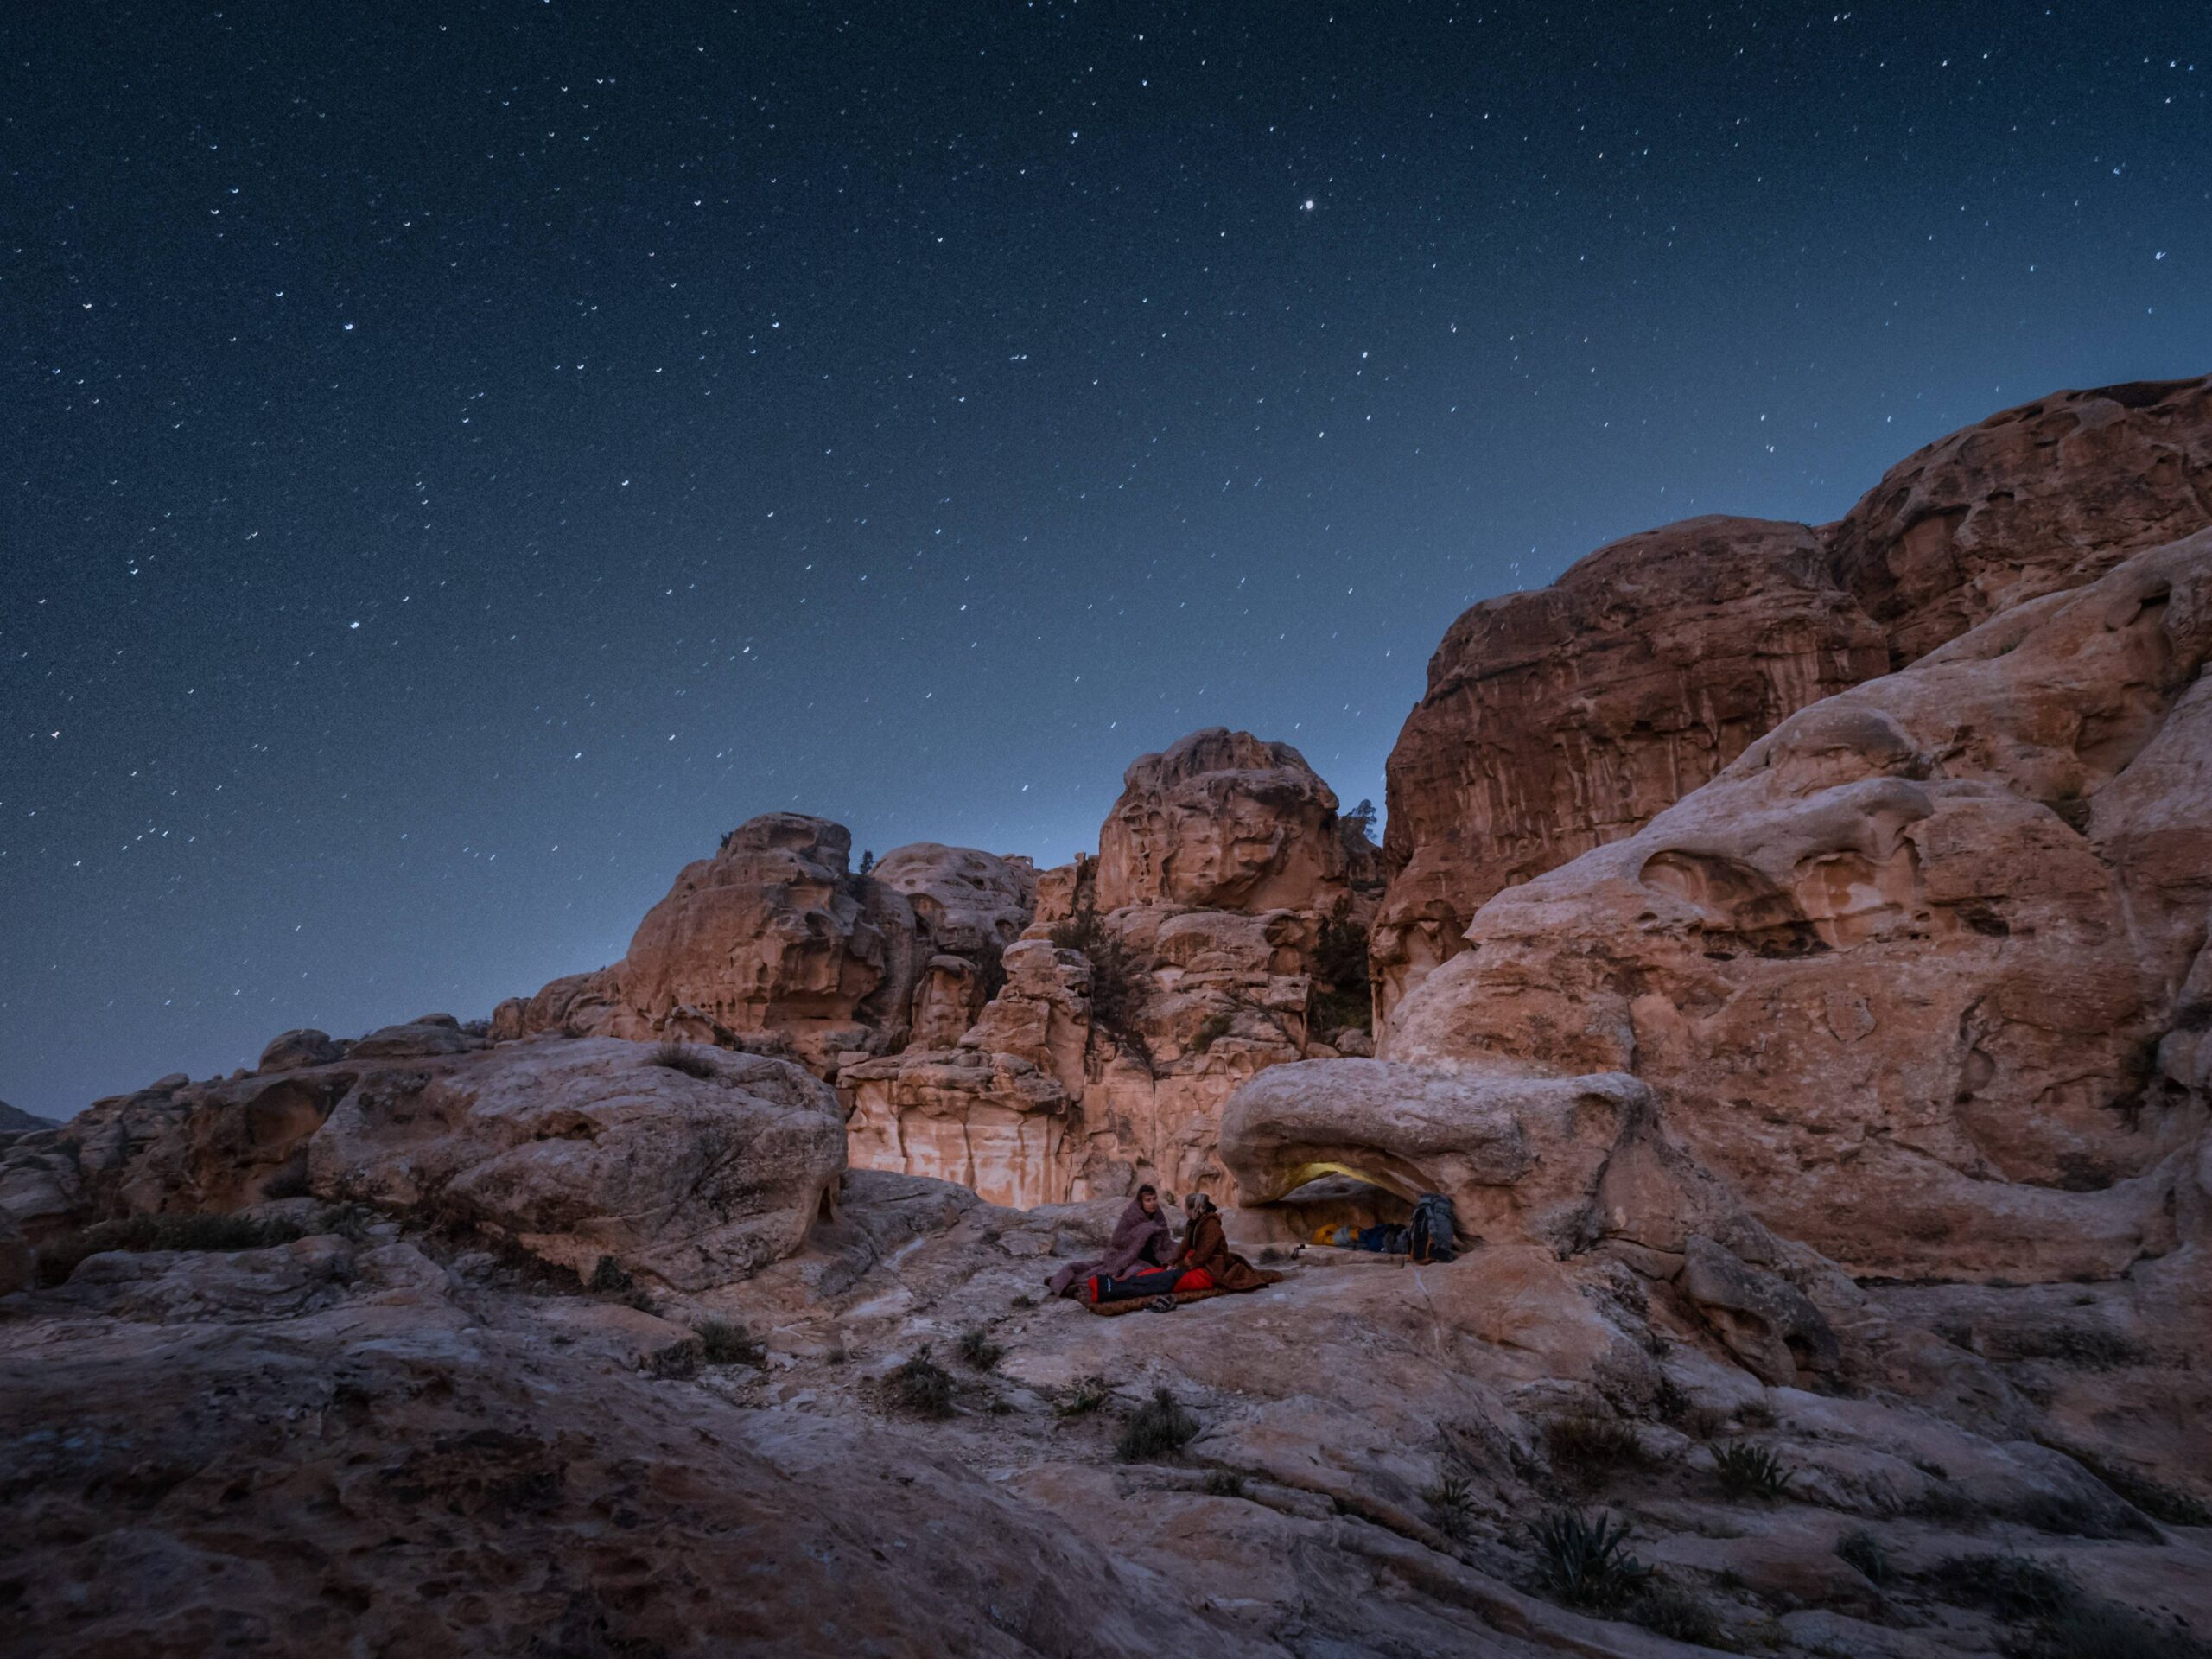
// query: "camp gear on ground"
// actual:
[[1432, 1234]]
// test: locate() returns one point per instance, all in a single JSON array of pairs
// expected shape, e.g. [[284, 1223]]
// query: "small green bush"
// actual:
[[721, 1343], [1585, 1561], [923, 1386], [1211, 1030], [1748, 1471], [1224, 1482], [976, 1348], [1586, 1450], [609, 1275], [1450, 1505], [687, 1057], [2011, 1586], [1861, 1549], [1119, 982], [1087, 1396], [675, 1363], [1159, 1429], [1666, 1609]]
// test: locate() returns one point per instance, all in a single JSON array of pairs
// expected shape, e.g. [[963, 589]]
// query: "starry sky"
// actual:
[[462, 459]]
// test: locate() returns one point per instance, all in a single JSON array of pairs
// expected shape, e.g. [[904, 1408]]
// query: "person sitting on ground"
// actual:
[[1141, 1241], [1207, 1262]]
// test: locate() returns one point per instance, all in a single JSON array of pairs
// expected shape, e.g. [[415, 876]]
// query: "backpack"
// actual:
[[1433, 1229]]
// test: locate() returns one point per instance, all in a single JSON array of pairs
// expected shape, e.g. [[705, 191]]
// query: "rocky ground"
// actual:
[[385, 1440]]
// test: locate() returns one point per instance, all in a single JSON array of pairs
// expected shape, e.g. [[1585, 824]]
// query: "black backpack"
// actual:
[[1433, 1230]]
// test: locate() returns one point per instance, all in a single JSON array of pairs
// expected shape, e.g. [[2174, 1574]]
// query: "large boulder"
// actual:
[[1222, 820], [2031, 501], [695, 1174], [1521, 1159], [1911, 971], [1559, 720], [776, 944]]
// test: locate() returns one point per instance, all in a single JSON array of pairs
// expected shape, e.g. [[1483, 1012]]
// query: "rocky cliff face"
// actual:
[[1561, 719], [1156, 978], [776, 942], [1904, 970]]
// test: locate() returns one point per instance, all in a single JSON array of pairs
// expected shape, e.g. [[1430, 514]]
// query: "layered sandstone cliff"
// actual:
[[1559, 721]]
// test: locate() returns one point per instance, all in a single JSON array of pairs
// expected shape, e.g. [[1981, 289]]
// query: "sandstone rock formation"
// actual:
[[1221, 820], [1561, 719], [2031, 501], [776, 943], [1223, 871], [576, 1150], [1911, 971], [688, 1173]]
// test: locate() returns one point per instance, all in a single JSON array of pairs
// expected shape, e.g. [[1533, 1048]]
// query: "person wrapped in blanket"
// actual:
[[1141, 1246], [1383, 1240], [1204, 1263]]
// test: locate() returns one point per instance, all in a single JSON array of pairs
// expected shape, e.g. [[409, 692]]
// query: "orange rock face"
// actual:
[[777, 938], [1224, 821], [1217, 871], [1557, 721], [2038, 498], [1912, 972]]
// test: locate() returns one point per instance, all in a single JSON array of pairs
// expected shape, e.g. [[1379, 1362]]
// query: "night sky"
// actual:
[[462, 459]]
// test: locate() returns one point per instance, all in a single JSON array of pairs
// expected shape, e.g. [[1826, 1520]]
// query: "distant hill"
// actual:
[[14, 1120]]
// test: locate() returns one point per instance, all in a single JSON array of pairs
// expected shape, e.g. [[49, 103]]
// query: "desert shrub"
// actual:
[[1224, 1482], [1755, 1413], [674, 1363], [610, 1275], [976, 1348], [1670, 1401], [1210, 1030], [923, 1386], [1086, 1396], [1450, 1504], [1666, 1609], [1586, 1450], [1024, 1300], [1748, 1471], [1118, 979], [1356, 828], [686, 1058], [2014, 1587], [1585, 1561], [721, 1343], [1159, 1429], [1861, 1549], [58, 1259]]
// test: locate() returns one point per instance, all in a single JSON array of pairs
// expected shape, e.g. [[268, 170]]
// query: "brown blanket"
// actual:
[[1206, 1247]]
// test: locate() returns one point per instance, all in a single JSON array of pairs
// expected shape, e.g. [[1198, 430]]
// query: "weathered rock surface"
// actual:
[[1221, 868], [2031, 501], [391, 1444], [1222, 820], [579, 1149], [1909, 972], [1559, 720], [776, 943]]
